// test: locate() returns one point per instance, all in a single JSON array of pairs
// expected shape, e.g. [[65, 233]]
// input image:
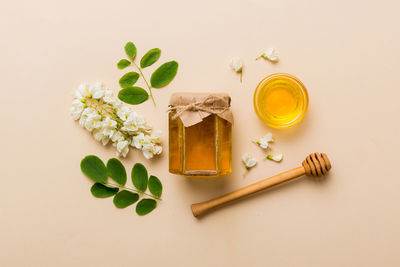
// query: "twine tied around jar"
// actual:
[[192, 108]]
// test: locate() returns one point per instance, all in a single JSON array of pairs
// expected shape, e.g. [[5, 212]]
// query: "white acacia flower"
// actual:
[[134, 122], [110, 123], [122, 147], [148, 144], [149, 150], [83, 91], [108, 95], [87, 111], [111, 100], [276, 158], [270, 55], [139, 120], [123, 112], [97, 90], [100, 136], [117, 136], [108, 128], [248, 161], [157, 150], [237, 64], [264, 141], [130, 126], [156, 136], [77, 109], [90, 119], [138, 141]]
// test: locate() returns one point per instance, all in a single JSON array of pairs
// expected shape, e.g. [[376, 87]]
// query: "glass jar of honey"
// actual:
[[200, 134]]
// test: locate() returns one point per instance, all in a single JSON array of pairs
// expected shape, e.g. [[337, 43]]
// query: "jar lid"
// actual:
[[192, 108]]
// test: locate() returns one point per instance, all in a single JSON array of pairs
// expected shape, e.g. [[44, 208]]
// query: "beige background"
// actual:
[[345, 52]]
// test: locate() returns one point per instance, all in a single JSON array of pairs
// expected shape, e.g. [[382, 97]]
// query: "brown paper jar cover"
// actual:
[[200, 134]]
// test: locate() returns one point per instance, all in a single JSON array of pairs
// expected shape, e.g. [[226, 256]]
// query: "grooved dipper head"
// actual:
[[316, 164]]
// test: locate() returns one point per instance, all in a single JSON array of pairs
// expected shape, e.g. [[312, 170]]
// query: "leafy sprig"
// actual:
[[94, 168], [162, 76]]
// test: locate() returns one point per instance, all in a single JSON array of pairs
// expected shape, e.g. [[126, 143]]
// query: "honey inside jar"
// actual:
[[280, 100]]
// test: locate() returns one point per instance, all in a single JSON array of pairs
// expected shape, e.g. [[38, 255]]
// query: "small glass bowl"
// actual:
[[286, 89]]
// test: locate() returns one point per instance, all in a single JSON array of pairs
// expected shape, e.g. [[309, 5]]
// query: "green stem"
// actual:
[[98, 105], [148, 86], [133, 190]]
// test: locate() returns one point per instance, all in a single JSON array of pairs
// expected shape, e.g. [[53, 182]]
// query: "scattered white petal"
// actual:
[[237, 64], [248, 161], [264, 141], [276, 158], [270, 55]]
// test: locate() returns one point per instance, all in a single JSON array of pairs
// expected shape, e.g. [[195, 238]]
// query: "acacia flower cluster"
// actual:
[[99, 112]]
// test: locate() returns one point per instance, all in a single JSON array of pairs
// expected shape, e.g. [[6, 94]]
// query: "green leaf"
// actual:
[[128, 79], [94, 168], [150, 57], [102, 191], [155, 186], [145, 206], [125, 198], [164, 74], [116, 170], [133, 95], [123, 63], [130, 50], [139, 177]]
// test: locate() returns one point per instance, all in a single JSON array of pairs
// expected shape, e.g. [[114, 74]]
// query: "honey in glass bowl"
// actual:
[[281, 100]]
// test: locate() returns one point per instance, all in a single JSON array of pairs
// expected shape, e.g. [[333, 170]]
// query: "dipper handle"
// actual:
[[315, 164]]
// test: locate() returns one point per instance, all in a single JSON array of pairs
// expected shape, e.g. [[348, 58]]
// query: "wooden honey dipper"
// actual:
[[315, 164]]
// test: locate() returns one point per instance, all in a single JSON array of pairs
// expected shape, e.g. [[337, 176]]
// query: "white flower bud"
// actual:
[[237, 64]]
